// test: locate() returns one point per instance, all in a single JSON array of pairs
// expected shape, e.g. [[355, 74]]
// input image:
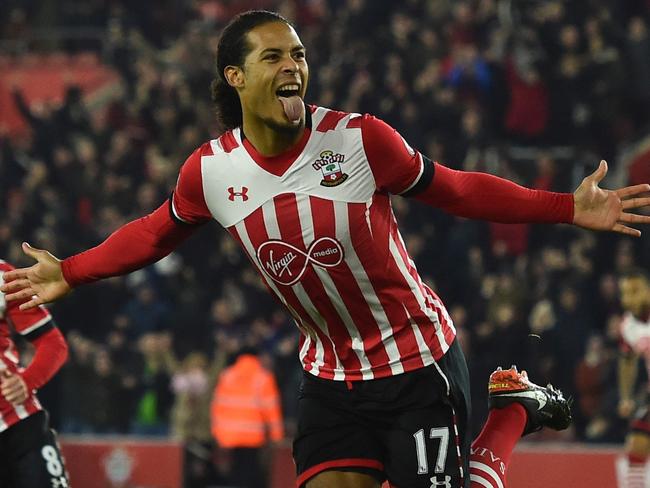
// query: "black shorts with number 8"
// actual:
[[30, 455]]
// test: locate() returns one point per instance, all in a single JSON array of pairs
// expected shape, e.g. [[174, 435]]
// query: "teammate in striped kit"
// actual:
[[28, 448], [635, 337], [306, 192]]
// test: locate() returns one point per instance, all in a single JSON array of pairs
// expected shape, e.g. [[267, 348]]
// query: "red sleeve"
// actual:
[[151, 238], [132, 246], [395, 165], [188, 200], [51, 352], [487, 197]]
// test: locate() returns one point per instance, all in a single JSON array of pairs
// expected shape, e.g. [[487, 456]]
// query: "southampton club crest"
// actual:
[[330, 164]]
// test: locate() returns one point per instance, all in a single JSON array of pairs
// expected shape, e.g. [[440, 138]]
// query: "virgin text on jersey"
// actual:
[[286, 264], [330, 165]]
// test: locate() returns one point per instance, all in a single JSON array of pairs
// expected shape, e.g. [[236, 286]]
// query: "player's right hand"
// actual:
[[13, 387], [38, 284], [626, 408]]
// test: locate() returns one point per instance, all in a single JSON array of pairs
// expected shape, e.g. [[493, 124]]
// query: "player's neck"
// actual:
[[269, 141]]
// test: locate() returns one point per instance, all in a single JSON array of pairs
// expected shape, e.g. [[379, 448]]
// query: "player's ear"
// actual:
[[234, 76]]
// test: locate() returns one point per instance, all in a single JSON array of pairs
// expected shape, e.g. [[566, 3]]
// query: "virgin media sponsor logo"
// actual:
[[286, 264]]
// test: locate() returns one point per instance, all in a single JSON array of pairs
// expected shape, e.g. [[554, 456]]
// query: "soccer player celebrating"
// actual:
[[28, 448], [635, 333], [305, 191]]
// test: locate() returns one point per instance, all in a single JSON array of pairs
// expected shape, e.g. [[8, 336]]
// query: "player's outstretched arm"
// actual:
[[43, 282], [599, 209], [132, 246]]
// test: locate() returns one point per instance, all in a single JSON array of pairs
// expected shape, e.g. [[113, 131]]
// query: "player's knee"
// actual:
[[638, 444], [342, 479]]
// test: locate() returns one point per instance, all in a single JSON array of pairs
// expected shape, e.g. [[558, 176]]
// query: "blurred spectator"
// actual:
[[146, 312], [190, 418], [191, 386], [77, 376], [103, 389], [573, 325], [155, 400], [246, 415], [594, 413], [638, 51], [528, 111]]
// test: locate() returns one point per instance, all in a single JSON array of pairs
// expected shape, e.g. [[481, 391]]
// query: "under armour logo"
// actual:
[[59, 482], [243, 193], [446, 483]]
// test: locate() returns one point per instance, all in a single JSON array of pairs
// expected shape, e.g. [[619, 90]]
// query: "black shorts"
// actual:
[[30, 456], [409, 429]]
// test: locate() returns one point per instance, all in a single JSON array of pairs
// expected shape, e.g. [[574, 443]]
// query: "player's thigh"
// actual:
[[423, 449], [339, 479], [332, 437], [429, 446], [41, 466]]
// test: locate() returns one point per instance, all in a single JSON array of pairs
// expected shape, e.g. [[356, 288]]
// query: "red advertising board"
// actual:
[[534, 466], [566, 465], [121, 462]]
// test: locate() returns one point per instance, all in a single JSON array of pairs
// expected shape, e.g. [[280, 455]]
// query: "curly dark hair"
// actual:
[[231, 51]]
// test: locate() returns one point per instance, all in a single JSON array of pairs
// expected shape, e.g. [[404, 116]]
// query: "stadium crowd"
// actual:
[[538, 94]]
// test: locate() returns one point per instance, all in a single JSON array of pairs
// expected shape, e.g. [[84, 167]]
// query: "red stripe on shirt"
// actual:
[[354, 123], [382, 222], [286, 210], [348, 287], [381, 270], [448, 329], [256, 229], [8, 412], [330, 120], [235, 234], [424, 323]]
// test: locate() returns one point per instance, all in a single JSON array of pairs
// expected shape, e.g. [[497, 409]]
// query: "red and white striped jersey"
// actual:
[[318, 225], [635, 334], [27, 323]]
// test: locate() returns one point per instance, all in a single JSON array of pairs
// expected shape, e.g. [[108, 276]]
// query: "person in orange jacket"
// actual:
[[245, 416]]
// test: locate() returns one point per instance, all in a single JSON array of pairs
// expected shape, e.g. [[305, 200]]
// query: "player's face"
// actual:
[[635, 295], [276, 60]]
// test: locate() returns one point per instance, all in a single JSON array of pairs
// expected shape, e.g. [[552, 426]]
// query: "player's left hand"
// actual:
[[13, 387], [599, 209], [626, 408]]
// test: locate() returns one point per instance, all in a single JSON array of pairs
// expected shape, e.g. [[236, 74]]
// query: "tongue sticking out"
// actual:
[[294, 108]]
